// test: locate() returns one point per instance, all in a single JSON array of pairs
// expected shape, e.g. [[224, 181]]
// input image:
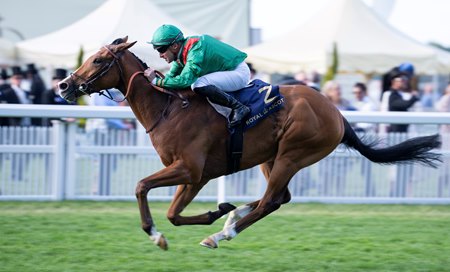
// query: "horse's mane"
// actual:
[[141, 61]]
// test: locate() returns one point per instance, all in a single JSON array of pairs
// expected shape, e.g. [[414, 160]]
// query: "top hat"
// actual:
[[60, 73], [31, 69], [16, 71], [4, 74]]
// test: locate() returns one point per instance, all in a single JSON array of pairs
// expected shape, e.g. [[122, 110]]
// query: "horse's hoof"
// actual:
[[226, 207], [209, 243], [162, 243]]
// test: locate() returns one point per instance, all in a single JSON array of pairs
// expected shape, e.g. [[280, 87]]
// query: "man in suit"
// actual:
[[399, 100], [5, 91], [52, 96], [36, 89], [12, 93]]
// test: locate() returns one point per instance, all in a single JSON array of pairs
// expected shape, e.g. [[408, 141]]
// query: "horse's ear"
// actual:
[[120, 40], [124, 46]]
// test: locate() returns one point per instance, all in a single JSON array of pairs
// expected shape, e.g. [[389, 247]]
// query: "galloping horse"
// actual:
[[191, 141]]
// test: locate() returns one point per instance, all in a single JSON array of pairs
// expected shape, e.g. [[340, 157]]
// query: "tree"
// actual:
[[334, 67]]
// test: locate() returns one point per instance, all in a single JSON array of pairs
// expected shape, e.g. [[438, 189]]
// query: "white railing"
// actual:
[[66, 162]]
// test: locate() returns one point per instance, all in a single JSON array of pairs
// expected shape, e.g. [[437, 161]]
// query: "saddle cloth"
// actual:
[[261, 97]]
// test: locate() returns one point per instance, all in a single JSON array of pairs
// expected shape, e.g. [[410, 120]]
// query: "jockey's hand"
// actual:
[[150, 74]]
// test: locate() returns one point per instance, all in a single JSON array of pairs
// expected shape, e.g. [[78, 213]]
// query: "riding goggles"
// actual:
[[163, 48]]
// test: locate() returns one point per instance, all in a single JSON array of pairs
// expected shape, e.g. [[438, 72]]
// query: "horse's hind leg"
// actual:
[[276, 194], [245, 209]]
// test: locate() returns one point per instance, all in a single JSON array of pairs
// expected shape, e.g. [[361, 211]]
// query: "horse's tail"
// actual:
[[410, 151]]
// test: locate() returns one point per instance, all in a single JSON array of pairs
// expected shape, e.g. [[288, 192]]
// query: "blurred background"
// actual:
[[350, 50], [283, 38]]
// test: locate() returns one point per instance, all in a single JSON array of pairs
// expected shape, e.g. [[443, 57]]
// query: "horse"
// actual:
[[190, 138]]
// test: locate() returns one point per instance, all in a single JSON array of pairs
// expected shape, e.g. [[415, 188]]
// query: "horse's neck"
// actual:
[[147, 103]]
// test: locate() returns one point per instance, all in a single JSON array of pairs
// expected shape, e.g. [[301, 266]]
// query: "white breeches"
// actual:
[[227, 81]]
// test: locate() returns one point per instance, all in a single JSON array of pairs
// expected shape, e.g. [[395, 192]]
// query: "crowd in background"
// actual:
[[26, 86], [399, 92]]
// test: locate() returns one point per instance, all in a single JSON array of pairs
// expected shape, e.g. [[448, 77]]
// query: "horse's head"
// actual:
[[100, 71]]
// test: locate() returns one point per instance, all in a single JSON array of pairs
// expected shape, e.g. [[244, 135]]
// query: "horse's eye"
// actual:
[[97, 61]]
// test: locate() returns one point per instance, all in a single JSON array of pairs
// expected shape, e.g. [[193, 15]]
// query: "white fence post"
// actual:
[[70, 162], [221, 191], [58, 141]]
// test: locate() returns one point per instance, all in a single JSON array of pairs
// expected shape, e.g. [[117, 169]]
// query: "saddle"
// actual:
[[263, 99]]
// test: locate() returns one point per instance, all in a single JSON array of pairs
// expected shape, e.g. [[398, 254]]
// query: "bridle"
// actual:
[[86, 86]]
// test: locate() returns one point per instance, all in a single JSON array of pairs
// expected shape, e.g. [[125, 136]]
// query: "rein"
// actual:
[[185, 102]]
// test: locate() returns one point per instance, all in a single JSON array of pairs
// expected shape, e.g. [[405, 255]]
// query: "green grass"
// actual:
[[106, 236]]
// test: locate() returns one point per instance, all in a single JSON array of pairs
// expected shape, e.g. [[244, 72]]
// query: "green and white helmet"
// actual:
[[166, 35]]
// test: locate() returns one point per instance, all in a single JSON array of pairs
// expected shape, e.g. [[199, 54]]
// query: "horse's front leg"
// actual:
[[183, 196], [174, 174]]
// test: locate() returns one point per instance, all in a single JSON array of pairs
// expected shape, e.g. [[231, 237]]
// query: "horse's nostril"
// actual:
[[63, 86]]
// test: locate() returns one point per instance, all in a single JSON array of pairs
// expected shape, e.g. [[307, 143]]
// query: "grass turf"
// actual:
[[106, 236]]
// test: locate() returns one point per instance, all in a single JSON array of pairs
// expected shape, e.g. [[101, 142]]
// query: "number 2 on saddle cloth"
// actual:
[[263, 99]]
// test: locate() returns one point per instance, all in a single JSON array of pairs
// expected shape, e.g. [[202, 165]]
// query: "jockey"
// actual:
[[207, 65]]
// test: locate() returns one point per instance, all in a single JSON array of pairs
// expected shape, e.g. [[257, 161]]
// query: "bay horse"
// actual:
[[191, 141]]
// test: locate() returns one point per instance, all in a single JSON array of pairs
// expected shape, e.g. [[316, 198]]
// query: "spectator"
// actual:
[[37, 86], [427, 97], [289, 80], [36, 89], [314, 80], [302, 76], [52, 96], [443, 105], [330, 183], [5, 88], [365, 104], [13, 94], [4, 84], [3, 79], [406, 69], [399, 100], [332, 90]]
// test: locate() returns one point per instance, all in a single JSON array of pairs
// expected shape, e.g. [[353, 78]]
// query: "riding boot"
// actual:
[[215, 95]]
